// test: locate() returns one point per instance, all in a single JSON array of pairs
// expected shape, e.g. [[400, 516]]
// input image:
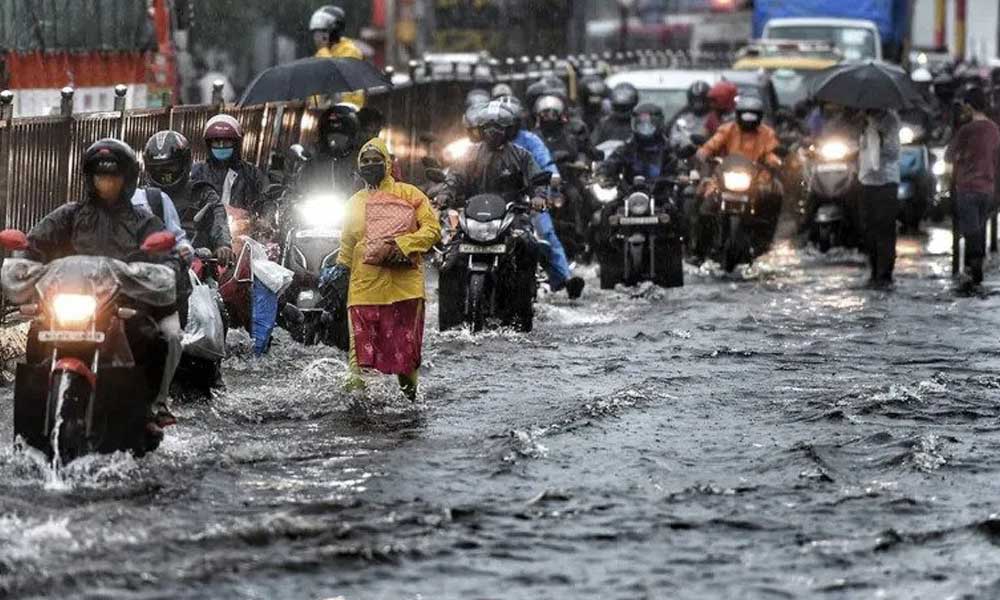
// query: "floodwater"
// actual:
[[782, 434]]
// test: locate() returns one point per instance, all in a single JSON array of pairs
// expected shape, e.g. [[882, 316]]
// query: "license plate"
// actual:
[[309, 234], [640, 220], [831, 168], [474, 249], [731, 197], [93, 337]]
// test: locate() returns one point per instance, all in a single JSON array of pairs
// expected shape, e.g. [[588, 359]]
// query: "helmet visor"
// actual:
[[645, 124], [165, 174]]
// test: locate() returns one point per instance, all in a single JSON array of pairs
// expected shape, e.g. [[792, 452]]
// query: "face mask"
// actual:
[[222, 154], [373, 174], [494, 137]]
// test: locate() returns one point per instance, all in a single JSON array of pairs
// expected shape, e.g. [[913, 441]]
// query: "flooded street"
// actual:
[[784, 434]]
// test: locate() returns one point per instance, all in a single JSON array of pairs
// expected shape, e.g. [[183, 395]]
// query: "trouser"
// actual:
[[170, 328], [407, 383], [973, 212], [878, 211], [554, 256]]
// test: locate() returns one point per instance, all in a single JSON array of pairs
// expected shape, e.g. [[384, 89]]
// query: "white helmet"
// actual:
[[921, 75], [328, 18]]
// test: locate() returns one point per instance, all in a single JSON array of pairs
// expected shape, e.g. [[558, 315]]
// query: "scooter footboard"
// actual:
[[119, 413]]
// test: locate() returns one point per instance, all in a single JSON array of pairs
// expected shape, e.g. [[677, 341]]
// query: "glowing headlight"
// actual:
[[604, 194], [907, 135], [321, 211], [638, 205], [940, 168], [835, 150], [482, 232], [736, 181], [74, 309], [457, 149]]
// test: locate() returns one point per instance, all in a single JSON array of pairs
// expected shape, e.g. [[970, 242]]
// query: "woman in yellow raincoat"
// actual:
[[388, 227]]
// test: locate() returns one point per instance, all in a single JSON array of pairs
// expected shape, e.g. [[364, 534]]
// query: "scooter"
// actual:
[[832, 180]]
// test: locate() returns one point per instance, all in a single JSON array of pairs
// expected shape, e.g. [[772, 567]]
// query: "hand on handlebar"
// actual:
[[225, 255], [538, 203]]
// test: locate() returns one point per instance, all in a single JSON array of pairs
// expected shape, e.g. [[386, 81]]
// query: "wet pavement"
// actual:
[[782, 434]]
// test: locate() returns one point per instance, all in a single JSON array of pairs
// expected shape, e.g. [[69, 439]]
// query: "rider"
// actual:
[[106, 224], [499, 165], [647, 151], [722, 101], [618, 124], [593, 91], [334, 161], [692, 119], [237, 182]]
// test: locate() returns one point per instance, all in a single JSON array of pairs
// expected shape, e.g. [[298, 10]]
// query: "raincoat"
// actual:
[[758, 146], [345, 48], [386, 304]]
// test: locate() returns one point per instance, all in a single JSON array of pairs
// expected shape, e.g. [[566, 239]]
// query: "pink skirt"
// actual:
[[389, 338]]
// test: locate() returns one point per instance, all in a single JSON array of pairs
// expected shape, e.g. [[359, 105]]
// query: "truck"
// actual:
[[861, 30]]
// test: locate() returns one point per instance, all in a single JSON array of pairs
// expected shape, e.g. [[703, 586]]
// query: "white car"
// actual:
[[666, 88]]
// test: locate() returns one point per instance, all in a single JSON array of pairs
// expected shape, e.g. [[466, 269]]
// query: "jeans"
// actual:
[[555, 262], [878, 211], [973, 212]]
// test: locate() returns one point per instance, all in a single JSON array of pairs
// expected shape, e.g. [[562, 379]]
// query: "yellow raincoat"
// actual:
[[345, 48], [375, 285]]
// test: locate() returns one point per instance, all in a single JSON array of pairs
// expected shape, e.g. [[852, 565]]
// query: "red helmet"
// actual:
[[223, 127], [722, 96]]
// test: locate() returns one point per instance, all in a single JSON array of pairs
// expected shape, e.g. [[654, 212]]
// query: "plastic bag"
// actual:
[[204, 335], [274, 276]]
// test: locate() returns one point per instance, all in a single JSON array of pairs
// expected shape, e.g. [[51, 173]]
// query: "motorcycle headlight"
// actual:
[[604, 194], [482, 232], [457, 149], [940, 168], [835, 150], [74, 309], [321, 211], [907, 135], [736, 181], [638, 205]]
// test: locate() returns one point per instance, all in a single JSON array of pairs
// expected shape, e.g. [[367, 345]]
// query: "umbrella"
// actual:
[[867, 85], [309, 77]]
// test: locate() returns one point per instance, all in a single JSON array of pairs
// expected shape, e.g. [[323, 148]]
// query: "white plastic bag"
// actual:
[[274, 276], [204, 335]]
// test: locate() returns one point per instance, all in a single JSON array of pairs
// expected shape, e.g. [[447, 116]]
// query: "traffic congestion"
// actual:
[[615, 326]]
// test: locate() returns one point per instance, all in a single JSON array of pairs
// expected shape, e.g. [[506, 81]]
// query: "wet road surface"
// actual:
[[783, 434]]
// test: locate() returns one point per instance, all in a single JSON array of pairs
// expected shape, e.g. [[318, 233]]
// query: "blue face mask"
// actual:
[[222, 154]]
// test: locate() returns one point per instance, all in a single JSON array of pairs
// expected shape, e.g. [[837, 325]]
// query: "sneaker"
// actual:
[[574, 287]]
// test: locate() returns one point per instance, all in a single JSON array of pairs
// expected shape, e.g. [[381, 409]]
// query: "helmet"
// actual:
[[722, 96], [698, 97], [471, 121], [534, 92], [624, 97], [593, 90], [921, 75], [109, 156], [498, 123], [648, 122], [749, 112], [339, 129], [550, 109], [476, 97], [513, 104], [500, 90], [167, 159], [223, 127], [329, 18]]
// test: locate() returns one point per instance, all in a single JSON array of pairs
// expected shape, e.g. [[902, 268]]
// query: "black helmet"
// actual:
[[329, 18], [648, 122], [624, 98], [476, 97], [167, 160], [339, 127], [698, 97], [111, 157], [749, 112], [593, 90]]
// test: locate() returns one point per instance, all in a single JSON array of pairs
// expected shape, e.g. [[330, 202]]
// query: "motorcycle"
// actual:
[[916, 180], [489, 272], [832, 180], [640, 235], [736, 194], [81, 390]]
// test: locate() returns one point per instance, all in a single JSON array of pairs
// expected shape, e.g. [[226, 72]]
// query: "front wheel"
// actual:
[[611, 270], [69, 396], [669, 263], [824, 239], [736, 244]]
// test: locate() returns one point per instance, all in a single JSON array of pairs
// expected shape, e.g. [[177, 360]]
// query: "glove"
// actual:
[[224, 254], [538, 203]]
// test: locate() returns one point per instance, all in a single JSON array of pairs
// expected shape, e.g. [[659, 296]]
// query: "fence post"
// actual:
[[217, 99], [994, 221], [120, 92], [66, 105], [7, 113], [6, 105]]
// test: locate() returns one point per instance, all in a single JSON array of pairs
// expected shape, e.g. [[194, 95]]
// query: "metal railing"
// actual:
[[40, 156]]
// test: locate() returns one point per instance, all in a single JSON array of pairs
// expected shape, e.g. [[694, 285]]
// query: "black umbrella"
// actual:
[[867, 85], [309, 77]]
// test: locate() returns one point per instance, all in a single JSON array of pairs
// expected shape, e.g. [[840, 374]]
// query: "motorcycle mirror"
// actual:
[[687, 151], [13, 239], [299, 152], [160, 242], [435, 175], [698, 139], [541, 179]]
